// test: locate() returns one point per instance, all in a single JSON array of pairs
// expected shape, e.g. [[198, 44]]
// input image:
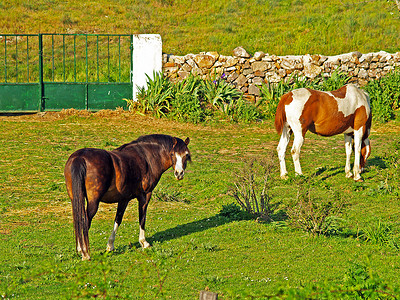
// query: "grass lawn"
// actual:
[[194, 247]]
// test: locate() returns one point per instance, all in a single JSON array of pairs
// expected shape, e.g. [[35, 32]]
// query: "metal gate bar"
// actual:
[[85, 64]]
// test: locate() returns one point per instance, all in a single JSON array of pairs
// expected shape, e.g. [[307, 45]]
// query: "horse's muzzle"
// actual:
[[179, 174]]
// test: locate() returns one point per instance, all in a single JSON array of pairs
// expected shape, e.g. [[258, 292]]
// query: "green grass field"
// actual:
[[280, 27], [194, 247]]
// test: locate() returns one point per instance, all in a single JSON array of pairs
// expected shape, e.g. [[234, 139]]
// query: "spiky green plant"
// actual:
[[156, 96]]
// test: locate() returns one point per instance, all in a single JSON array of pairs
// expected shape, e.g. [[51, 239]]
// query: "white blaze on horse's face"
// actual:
[[179, 170]]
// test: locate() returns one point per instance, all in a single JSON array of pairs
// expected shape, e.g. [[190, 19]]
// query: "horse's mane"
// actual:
[[159, 139]]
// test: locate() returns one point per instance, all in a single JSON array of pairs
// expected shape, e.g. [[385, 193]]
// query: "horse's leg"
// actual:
[[281, 149], [118, 220], [365, 153], [297, 143], [357, 154], [143, 203], [91, 209], [349, 148]]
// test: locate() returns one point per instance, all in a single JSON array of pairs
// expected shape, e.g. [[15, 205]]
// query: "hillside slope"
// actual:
[[280, 27]]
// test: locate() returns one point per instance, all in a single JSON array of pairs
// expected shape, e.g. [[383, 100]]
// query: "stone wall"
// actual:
[[248, 72]]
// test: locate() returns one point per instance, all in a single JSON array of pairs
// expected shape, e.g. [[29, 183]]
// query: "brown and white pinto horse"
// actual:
[[130, 171], [346, 110]]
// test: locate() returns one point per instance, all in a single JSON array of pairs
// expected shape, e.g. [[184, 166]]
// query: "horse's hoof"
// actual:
[[359, 180], [110, 248], [145, 244], [284, 177], [85, 257], [349, 175]]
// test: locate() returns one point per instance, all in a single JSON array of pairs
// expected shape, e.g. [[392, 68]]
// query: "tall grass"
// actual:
[[278, 27]]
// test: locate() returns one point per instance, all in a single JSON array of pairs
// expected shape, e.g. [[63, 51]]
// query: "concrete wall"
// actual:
[[146, 59]]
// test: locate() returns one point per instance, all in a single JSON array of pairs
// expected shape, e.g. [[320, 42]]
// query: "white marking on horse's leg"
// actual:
[[297, 143], [79, 248], [357, 153], [111, 239], [348, 146], [83, 251], [281, 149], [142, 238]]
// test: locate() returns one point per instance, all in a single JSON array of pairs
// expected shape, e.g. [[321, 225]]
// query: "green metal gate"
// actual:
[[55, 71]]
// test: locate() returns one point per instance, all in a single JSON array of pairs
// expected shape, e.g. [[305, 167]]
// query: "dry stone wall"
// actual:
[[248, 72]]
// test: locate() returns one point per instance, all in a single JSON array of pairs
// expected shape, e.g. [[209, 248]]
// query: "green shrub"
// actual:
[[156, 97], [233, 211], [335, 81], [379, 233], [185, 101], [245, 111], [194, 100], [312, 213], [385, 96], [252, 189], [221, 94]]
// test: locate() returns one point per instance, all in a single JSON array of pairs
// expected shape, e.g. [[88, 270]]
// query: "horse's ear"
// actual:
[[174, 141], [187, 141]]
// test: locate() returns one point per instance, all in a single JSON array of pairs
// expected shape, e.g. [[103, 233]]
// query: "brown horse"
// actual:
[[346, 110], [130, 171]]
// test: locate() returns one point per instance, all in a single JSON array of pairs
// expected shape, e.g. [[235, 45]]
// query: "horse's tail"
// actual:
[[81, 223], [280, 116]]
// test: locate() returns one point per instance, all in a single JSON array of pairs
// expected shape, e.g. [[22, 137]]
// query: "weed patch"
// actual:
[[314, 214]]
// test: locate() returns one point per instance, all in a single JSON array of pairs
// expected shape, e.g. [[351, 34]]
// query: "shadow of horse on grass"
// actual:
[[191, 228]]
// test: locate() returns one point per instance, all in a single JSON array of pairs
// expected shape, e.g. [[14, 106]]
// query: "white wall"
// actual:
[[146, 59]]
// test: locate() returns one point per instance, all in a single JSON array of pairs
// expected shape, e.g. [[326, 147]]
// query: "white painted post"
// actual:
[[146, 59]]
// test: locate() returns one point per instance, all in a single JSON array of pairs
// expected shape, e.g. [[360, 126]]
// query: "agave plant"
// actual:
[[221, 94], [156, 96], [186, 105]]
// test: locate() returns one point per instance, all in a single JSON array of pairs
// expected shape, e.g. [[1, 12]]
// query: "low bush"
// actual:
[[252, 189], [385, 96], [316, 214]]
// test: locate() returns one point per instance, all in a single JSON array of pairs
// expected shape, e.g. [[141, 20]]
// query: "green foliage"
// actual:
[[252, 189], [221, 94], [245, 112], [192, 100], [186, 101], [361, 283], [379, 233], [385, 96], [156, 96], [233, 211], [335, 81], [314, 214]]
